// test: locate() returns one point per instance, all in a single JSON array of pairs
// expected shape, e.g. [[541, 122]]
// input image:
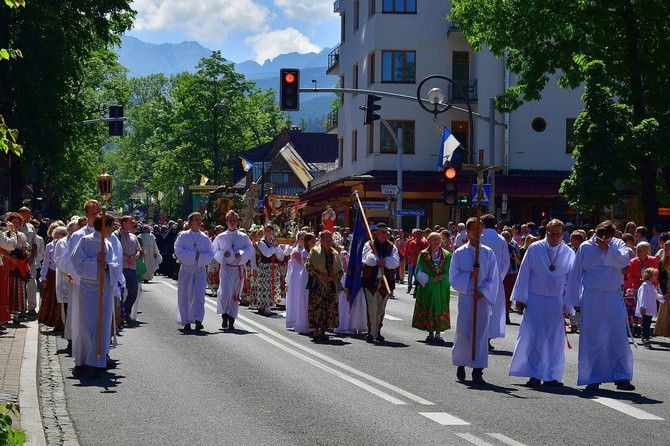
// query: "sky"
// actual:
[[242, 29]]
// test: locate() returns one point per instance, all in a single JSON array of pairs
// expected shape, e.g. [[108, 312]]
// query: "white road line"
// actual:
[[444, 419], [474, 440], [391, 318], [314, 353], [625, 408], [505, 439], [314, 362]]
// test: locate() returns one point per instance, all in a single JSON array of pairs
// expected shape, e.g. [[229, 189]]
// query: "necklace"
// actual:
[[195, 241], [551, 261]]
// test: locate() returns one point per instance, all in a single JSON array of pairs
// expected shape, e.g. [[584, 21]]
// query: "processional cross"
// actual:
[[480, 168]]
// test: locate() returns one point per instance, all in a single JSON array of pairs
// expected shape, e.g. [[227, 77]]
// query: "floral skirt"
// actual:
[[266, 290], [323, 308], [50, 313]]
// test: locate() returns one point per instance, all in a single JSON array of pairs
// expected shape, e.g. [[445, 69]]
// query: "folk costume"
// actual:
[[594, 285], [50, 312], [85, 326], [375, 292], [194, 251], [498, 244], [431, 309], [323, 296], [232, 272], [541, 285], [462, 262], [267, 288], [7, 244]]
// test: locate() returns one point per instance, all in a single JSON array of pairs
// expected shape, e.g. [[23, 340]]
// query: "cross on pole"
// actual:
[[480, 168]]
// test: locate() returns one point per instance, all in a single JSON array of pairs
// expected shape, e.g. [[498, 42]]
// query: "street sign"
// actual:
[[368, 205], [390, 189], [410, 212], [485, 199]]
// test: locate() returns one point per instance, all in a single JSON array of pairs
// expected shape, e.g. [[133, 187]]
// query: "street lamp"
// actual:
[[222, 106]]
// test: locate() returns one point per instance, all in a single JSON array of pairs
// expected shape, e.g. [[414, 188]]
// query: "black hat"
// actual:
[[381, 227]]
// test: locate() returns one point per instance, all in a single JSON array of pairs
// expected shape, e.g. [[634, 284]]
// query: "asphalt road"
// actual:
[[264, 384]]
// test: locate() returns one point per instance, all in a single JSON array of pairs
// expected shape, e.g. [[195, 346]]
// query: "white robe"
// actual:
[[497, 243], [604, 352], [192, 280], [73, 304], [293, 281], [85, 322], [462, 262], [231, 273], [540, 347]]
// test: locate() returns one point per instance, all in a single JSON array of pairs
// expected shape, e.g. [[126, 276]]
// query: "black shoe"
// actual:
[[430, 338], [491, 347], [438, 339], [460, 373], [369, 339], [95, 372], [224, 321], [380, 338], [68, 349], [478, 377], [31, 314], [111, 364], [231, 321], [533, 382], [77, 370], [198, 326], [187, 328], [592, 387], [552, 383], [624, 384]]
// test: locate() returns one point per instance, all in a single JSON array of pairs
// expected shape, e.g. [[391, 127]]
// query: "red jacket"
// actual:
[[414, 248]]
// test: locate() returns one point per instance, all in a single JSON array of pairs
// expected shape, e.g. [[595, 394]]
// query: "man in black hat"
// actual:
[[379, 260]]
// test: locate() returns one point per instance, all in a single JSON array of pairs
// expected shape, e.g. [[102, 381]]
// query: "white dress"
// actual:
[[301, 307], [462, 262], [595, 284], [540, 347], [293, 281], [497, 243], [353, 314]]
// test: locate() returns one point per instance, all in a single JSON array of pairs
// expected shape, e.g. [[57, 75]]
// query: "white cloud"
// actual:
[[269, 45], [307, 10], [209, 21]]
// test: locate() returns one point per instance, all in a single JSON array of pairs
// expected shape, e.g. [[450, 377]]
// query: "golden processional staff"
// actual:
[[105, 188], [372, 242], [479, 168]]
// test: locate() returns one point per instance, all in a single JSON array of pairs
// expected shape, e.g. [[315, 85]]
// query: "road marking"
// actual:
[[474, 440], [628, 410], [444, 419], [314, 353], [505, 439], [391, 318], [314, 362]]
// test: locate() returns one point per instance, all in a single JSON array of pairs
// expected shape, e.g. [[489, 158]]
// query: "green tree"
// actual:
[[562, 38]]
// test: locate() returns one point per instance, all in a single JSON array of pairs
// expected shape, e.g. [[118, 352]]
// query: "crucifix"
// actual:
[[480, 168]]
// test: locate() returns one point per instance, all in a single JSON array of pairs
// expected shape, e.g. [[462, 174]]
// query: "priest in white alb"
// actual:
[[539, 290]]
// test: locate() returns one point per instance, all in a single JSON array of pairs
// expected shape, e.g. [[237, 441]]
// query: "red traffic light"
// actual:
[[289, 78], [450, 173]]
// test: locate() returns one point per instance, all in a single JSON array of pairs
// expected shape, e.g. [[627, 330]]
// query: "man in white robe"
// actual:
[[497, 243], [232, 249], [540, 290], [194, 250], [87, 260], [594, 288], [461, 277]]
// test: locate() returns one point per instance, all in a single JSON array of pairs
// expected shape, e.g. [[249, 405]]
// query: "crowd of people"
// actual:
[[609, 284]]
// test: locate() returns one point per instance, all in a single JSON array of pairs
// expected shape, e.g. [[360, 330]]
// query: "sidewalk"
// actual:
[[18, 377]]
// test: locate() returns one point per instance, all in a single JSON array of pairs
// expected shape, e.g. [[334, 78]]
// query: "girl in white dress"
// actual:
[[293, 279], [301, 314]]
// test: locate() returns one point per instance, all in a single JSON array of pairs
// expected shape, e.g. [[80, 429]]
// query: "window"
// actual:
[[388, 143], [343, 27], [355, 79], [569, 135], [399, 6], [539, 124], [371, 138], [398, 66], [354, 146], [340, 153], [343, 86], [357, 14], [460, 131], [371, 68], [279, 177], [372, 7], [460, 72]]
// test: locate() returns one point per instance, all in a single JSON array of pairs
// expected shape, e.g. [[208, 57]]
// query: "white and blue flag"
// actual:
[[447, 148]]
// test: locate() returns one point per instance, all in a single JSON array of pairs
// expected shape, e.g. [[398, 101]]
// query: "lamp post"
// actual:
[[222, 106]]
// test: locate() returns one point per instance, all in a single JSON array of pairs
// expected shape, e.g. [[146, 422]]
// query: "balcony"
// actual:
[[336, 6], [456, 97], [331, 121], [333, 59]]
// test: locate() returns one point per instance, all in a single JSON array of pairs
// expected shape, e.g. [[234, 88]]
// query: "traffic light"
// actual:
[[289, 89], [115, 127], [371, 108], [450, 187]]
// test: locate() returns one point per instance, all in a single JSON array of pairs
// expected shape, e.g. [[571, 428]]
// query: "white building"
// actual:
[[391, 46]]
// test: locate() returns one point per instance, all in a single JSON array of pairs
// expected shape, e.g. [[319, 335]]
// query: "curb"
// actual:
[[31, 417]]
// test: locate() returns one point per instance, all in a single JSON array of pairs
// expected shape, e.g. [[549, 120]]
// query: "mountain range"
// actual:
[[142, 59]]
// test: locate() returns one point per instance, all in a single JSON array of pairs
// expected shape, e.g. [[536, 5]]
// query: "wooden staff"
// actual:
[[101, 283], [372, 243]]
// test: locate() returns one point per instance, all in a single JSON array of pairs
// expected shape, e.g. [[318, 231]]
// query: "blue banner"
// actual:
[[355, 268]]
